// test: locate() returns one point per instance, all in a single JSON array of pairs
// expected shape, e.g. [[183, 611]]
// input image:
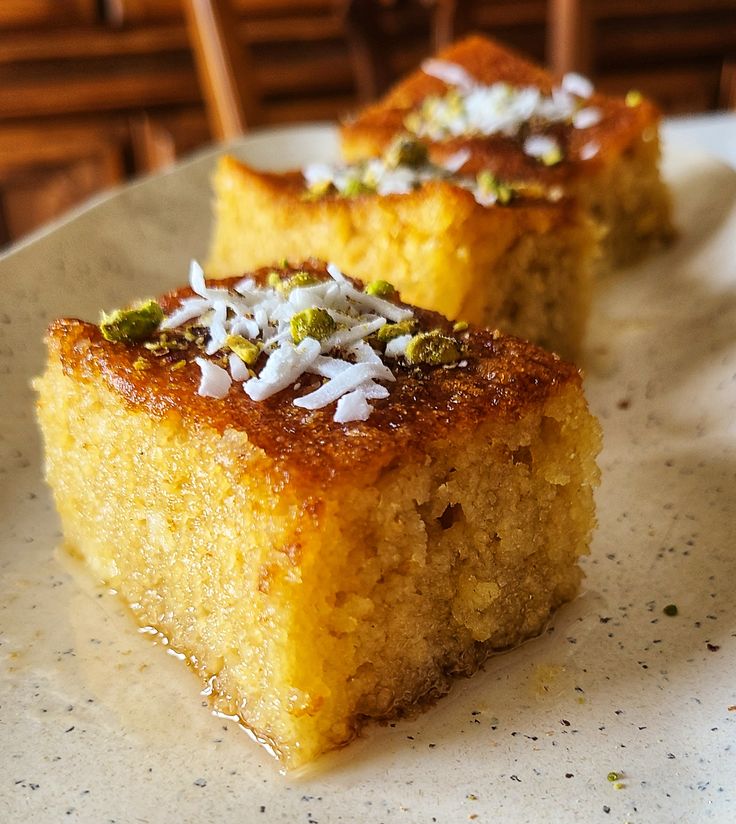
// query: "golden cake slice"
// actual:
[[330, 503], [518, 121], [469, 247]]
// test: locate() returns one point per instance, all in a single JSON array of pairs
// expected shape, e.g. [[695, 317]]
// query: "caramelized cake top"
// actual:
[[499, 377], [305, 185], [614, 127]]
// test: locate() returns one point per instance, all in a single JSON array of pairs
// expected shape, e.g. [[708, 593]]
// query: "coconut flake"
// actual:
[[449, 73], [456, 161], [589, 150], [585, 118], [218, 332], [396, 348], [283, 367], [263, 314], [353, 406], [238, 369], [190, 308], [215, 381], [539, 145], [576, 84], [347, 380], [345, 337]]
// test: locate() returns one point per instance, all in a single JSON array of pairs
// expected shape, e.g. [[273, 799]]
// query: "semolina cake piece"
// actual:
[[472, 248], [521, 123], [329, 516]]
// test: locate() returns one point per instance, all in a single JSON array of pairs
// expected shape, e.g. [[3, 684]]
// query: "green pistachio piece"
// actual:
[[552, 157], [634, 98], [132, 325], [247, 351], [406, 151], [274, 280], [389, 331], [433, 348], [355, 186], [320, 188], [413, 122], [488, 183], [301, 279], [380, 289], [460, 326], [312, 323]]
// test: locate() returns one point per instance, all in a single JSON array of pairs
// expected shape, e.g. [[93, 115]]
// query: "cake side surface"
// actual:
[[311, 600], [524, 267]]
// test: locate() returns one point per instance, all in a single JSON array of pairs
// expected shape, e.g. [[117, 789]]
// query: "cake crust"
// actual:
[[504, 378], [489, 62]]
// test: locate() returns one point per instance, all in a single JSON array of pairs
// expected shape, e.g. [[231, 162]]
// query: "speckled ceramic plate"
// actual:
[[100, 724]]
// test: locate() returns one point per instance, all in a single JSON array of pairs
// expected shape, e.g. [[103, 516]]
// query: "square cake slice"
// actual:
[[329, 502], [521, 123], [472, 248]]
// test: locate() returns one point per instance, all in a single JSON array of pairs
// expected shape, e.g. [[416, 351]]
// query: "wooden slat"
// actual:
[[674, 41], [136, 12], [90, 88], [17, 14], [677, 90], [224, 67], [610, 9], [488, 14], [89, 42], [29, 144]]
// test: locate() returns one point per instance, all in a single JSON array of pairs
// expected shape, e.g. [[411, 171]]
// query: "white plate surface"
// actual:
[[98, 724]]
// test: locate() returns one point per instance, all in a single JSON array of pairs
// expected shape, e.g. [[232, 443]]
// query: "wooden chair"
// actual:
[[570, 36], [727, 91], [224, 65]]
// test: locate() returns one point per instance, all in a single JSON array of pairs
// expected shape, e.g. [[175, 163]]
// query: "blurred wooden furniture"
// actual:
[[223, 67], [95, 91], [672, 50]]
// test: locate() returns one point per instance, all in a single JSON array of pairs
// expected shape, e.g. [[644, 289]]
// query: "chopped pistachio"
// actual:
[[312, 323], [180, 364], [460, 326], [380, 289], [319, 189], [552, 157], [613, 776], [355, 186], [274, 280], [389, 331], [634, 98], [406, 151], [432, 348], [413, 122], [247, 351], [140, 363], [489, 184], [300, 279], [131, 325], [671, 610]]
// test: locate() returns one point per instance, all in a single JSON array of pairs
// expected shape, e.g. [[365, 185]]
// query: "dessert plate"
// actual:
[[99, 723]]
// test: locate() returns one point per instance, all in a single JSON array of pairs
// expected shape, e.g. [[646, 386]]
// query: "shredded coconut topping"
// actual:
[[383, 178], [469, 108], [257, 319]]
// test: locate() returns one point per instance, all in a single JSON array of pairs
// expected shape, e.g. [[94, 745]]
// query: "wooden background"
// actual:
[[88, 86]]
